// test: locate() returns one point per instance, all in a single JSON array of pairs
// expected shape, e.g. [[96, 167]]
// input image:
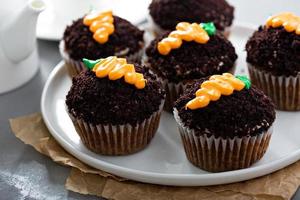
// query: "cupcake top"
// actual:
[[167, 13], [114, 92], [108, 35], [191, 51], [275, 47], [225, 106]]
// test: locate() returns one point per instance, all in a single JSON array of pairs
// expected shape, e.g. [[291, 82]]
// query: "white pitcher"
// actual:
[[18, 53]]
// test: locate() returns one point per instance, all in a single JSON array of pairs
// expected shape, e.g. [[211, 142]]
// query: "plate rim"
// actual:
[[162, 178]]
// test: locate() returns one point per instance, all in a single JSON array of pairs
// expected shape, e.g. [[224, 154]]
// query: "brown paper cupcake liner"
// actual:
[[154, 28], [108, 139], [217, 154], [74, 67], [283, 90], [173, 91], [227, 32]]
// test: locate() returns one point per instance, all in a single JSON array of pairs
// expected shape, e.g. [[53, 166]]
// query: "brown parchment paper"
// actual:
[[83, 179], [32, 130]]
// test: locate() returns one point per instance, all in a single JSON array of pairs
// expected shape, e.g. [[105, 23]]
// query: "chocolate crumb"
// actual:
[[103, 101], [168, 13], [274, 50], [79, 42], [192, 60], [244, 113]]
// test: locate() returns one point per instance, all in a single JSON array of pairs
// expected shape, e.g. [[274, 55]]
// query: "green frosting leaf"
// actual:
[[209, 28], [246, 80], [90, 63]]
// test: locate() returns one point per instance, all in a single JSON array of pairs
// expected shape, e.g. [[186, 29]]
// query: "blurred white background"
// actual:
[[61, 12], [256, 11]]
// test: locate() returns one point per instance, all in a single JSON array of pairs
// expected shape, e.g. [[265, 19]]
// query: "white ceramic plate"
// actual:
[[60, 13], [163, 161]]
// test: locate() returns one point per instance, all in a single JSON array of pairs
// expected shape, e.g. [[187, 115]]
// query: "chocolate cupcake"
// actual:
[[224, 122], [191, 52], [99, 35], [273, 56], [114, 106], [166, 14]]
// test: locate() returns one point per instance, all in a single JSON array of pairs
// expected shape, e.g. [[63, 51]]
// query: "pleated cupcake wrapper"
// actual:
[[111, 139], [283, 90], [156, 30], [227, 32], [74, 67], [173, 91], [216, 154]]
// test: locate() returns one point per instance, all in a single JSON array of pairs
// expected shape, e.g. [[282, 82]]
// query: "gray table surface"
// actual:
[[24, 173]]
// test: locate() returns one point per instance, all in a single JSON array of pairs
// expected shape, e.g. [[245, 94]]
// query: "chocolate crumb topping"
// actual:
[[244, 113], [168, 13], [79, 42], [192, 60], [103, 101], [274, 50]]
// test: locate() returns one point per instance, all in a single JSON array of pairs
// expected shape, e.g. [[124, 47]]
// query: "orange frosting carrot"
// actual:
[[212, 89], [289, 21], [116, 68], [184, 31], [101, 25]]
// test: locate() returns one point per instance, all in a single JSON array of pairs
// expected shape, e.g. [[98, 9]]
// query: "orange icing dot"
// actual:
[[184, 31], [289, 21], [101, 24], [116, 68], [212, 89]]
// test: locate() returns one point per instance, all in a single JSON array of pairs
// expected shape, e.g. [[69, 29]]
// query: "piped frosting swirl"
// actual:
[[101, 24], [288, 20], [115, 68], [217, 85], [186, 32]]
